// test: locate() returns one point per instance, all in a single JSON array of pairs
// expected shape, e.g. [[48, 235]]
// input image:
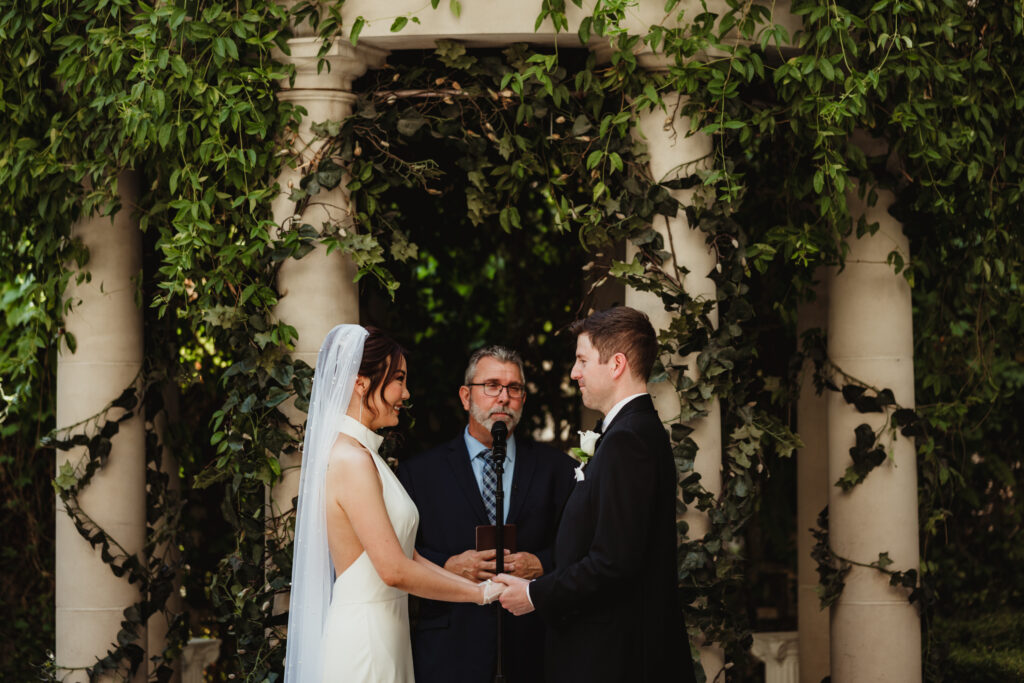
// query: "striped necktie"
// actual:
[[490, 484]]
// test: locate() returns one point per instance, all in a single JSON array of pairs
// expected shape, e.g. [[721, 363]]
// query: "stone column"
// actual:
[[317, 291], [876, 633], [106, 322], [673, 154], [812, 486]]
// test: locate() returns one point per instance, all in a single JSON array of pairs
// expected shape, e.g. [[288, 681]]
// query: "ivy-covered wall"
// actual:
[[183, 93]]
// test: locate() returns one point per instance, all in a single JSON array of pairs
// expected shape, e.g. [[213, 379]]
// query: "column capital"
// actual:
[[347, 63]]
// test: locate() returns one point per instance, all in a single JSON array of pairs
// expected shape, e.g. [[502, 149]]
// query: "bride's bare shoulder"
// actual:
[[349, 453], [350, 467]]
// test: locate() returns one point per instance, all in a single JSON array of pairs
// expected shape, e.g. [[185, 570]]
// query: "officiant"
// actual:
[[454, 487]]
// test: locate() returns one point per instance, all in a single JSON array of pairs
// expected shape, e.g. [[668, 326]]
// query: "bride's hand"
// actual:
[[490, 591]]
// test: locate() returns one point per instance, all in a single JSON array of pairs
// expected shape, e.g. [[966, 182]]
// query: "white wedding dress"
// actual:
[[366, 634]]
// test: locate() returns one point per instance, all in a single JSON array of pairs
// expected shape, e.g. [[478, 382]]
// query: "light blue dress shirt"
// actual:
[[474, 447]]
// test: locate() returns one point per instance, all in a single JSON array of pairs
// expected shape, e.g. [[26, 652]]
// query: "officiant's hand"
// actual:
[[477, 565], [524, 565], [515, 599]]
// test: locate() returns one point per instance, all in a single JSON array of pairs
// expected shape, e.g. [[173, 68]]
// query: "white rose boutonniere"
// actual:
[[588, 443]]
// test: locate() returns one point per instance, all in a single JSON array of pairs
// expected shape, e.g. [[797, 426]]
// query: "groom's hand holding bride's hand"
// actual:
[[515, 599], [489, 591]]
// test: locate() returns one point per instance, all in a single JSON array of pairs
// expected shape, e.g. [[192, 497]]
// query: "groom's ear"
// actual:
[[618, 365], [464, 395]]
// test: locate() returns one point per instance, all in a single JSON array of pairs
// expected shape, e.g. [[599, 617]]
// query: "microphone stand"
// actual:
[[499, 434]]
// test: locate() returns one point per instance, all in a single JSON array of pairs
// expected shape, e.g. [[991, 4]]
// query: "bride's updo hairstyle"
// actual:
[[381, 355]]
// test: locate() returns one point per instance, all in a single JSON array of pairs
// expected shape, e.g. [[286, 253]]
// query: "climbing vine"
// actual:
[[183, 95], [157, 572], [915, 98]]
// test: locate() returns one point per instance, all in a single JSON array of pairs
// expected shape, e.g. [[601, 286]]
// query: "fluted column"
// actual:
[[107, 325], [876, 633], [317, 291], [812, 486], [673, 154]]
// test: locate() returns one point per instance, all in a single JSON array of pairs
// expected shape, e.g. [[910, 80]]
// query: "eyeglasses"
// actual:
[[494, 389]]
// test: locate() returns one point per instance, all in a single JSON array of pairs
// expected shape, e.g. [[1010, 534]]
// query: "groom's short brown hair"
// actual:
[[622, 330]]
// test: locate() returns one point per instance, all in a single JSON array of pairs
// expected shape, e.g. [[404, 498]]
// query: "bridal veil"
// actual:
[[337, 365]]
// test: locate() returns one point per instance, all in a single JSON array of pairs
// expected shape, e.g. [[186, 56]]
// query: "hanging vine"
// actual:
[[157, 571]]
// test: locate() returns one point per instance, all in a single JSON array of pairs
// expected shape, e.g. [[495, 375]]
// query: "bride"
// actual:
[[355, 522]]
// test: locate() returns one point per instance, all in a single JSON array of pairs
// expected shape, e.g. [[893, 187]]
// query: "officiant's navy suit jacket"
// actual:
[[611, 604], [456, 642]]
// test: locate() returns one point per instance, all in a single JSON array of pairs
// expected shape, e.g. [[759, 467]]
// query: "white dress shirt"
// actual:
[[615, 410]]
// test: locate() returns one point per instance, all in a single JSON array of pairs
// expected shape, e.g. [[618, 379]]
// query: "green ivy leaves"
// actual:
[[185, 95]]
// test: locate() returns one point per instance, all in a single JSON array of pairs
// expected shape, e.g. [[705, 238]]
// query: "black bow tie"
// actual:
[[597, 427]]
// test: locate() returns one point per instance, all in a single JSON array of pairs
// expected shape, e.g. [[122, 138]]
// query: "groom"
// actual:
[[611, 604]]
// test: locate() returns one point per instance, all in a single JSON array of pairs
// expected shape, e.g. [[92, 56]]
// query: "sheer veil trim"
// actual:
[[337, 365]]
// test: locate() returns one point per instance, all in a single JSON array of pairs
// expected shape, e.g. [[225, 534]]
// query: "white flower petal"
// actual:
[[588, 441]]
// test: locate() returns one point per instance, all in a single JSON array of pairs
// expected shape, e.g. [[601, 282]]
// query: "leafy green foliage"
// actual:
[[919, 99], [26, 543], [183, 94], [980, 648], [832, 570], [156, 572]]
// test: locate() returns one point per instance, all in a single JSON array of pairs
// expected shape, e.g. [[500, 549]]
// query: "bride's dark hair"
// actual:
[[381, 355]]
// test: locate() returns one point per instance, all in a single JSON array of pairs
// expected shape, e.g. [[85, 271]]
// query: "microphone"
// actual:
[[499, 433]]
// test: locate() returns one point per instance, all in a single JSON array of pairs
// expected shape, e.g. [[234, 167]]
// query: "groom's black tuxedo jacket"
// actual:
[[456, 643], [611, 604]]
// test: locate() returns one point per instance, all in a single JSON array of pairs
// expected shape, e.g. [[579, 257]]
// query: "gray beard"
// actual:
[[485, 419]]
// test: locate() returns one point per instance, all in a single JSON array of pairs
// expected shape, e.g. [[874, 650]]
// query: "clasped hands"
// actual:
[[511, 590], [480, 565]]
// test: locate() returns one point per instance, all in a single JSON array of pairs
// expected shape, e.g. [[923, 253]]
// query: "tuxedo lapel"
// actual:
[[640, 404], [462, 472], [526, 465]]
